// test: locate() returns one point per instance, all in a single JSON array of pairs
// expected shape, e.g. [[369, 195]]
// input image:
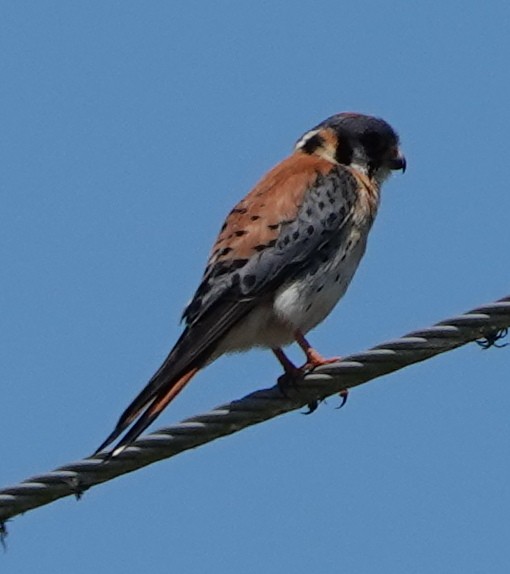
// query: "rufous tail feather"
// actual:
[[153, 407]]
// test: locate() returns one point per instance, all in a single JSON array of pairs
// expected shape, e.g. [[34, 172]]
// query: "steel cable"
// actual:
[[485, 324]]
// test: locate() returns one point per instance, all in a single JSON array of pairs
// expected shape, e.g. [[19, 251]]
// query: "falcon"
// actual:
[[284, 257]]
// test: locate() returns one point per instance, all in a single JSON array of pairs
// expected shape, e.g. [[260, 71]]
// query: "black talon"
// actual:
[[312, 407], [344, 394], [3, 535], [491, 339]]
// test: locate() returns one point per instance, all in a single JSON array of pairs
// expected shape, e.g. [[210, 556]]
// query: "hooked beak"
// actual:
[[398, 162]]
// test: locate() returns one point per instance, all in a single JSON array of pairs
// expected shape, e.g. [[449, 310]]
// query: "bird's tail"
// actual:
[[146, 407], [196, 347]]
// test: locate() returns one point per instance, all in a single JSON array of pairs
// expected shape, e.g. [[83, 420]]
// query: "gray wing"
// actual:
[[318, 227], [232, 287]]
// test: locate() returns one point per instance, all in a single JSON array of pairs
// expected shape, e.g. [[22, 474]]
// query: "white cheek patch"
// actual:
[[327, 153], [380, 175], [360, 166]]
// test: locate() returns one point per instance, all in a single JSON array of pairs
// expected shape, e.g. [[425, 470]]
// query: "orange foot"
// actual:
[[315, 359], [293, 373]]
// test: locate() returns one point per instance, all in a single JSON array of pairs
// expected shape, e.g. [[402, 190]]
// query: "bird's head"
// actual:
[[363, 142]]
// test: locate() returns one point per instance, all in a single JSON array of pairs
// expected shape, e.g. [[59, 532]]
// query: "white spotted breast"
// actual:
[[310, 297]]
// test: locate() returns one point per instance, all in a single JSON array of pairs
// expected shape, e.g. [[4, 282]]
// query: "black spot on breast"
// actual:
[[286, 240], [310, 229], [249, 280], [337, 278], [309, 211], [295, 235], [321, 205], [332, 217], [319, 289], [263, 246]]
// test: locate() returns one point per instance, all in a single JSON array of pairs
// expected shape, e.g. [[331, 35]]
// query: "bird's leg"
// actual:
[[288, 366], [290, 376], [315, 359], [291, 371]]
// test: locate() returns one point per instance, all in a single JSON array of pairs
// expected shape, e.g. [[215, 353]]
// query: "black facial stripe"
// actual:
[[312, 144], [343, 153]]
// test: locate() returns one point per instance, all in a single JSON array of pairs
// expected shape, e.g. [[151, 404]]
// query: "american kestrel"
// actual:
[[284, 257]]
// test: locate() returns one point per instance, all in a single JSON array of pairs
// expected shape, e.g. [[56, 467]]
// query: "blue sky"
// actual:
[[128, 130]]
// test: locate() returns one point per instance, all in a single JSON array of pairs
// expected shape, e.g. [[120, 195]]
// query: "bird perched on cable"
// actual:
[[284, 257]]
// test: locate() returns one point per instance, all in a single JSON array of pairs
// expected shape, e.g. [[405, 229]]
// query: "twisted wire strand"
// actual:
[[487, 322]]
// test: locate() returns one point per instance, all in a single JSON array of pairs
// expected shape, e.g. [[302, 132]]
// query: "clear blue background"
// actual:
[[127, 131]]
